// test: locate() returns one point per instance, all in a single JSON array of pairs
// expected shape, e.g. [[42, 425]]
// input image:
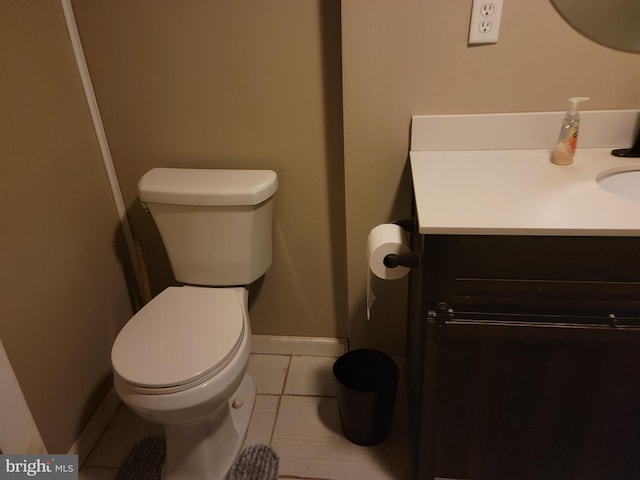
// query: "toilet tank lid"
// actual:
[[207, 187]]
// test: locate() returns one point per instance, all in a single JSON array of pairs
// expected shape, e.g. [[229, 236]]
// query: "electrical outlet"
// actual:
[[485, 26], [485, 21], [487, 9]]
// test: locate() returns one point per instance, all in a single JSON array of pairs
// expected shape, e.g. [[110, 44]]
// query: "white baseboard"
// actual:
[[285, 345], [96, 426]]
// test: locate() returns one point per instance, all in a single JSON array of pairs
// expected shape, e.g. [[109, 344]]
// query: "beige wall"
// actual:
[[408, 57], [240, 84], [63, 295]]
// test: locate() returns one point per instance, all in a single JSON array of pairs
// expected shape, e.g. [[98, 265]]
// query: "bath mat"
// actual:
[[256, 462], [144, 462]]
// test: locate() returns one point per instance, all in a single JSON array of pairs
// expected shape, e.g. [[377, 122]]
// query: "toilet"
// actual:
[[181, 361]]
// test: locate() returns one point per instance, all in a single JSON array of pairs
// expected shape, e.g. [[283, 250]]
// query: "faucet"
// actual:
[[634, 151]]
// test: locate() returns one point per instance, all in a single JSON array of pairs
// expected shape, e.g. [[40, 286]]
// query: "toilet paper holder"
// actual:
[[409, 260]]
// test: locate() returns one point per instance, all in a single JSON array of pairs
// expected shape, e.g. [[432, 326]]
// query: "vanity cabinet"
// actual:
[[524, 331], [524, 358]]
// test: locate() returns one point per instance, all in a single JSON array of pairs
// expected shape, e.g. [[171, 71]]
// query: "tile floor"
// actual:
[[296, 413]]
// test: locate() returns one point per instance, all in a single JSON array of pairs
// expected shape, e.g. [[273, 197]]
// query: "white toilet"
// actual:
[[181, 360]]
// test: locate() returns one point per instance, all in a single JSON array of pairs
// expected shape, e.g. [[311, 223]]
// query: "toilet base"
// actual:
[[205, 450]]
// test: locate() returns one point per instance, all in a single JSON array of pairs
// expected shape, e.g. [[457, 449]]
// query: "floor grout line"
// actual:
[[275, 421], [286, 375], [284, 385], [308, 395]]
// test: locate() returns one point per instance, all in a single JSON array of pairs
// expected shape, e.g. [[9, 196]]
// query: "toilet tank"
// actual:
[[215, 224]]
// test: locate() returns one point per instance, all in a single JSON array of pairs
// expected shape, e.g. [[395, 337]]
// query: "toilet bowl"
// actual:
[[181, 362]]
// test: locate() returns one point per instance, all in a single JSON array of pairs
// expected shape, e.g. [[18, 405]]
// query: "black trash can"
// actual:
[[367, 384]]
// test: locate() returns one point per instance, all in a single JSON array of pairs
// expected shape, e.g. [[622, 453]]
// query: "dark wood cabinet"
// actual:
[[524, 358]]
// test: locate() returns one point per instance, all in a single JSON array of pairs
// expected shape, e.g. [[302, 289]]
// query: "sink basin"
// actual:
[[624, 183]]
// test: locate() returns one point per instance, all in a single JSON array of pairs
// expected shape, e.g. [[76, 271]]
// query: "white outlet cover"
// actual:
[[485, 21]]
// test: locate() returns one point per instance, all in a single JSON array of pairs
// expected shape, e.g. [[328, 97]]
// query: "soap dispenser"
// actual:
[[568, 138]]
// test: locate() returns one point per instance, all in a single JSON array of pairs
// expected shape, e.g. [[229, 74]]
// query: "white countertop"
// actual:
[[520, 192], [491, 174]]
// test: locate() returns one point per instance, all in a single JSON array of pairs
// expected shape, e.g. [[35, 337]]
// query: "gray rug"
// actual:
[[256, 462], [144, 462]]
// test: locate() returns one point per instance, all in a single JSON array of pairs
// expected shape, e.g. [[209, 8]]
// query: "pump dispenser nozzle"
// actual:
[[575, 101], [568, 138]]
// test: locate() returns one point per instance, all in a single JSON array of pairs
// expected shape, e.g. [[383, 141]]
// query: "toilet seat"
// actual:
[[180, 339]]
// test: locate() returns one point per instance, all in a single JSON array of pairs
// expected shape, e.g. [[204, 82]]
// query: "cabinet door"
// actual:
[[536, 406]]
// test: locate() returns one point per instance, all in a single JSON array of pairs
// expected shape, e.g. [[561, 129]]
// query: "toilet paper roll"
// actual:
[[383, 240]]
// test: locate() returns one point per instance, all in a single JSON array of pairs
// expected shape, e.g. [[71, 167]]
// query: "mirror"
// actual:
[[612, 23]]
